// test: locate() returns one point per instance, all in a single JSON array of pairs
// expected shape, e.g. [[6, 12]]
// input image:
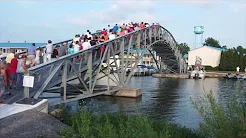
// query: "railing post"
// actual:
[[122, 46], [26, 89], [64, 81], [108, 64], [89, 64]]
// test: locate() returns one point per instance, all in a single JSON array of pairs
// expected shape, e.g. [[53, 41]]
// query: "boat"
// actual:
[[235, 77], [199, 71], [198, 74], [229, 76]]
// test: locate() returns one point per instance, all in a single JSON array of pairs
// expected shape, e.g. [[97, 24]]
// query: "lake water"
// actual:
[[164, 98]]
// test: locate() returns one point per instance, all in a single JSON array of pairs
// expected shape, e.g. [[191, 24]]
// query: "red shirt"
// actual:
[[104, 32], [13, 66]]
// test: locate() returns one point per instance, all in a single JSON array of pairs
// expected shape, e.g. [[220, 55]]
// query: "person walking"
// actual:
[[63, 49], [55, 53], [38, 56], [31, 51], [49, 50], [238, 69], [21, 69], [3, 81]]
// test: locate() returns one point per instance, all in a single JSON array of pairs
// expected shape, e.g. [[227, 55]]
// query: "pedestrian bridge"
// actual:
[[89, 66]]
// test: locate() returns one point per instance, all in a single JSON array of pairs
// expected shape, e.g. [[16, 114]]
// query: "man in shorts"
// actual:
[[31, 52]]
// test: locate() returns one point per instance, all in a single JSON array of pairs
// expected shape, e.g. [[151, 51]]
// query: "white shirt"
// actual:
[[76, 39], [238, 69], [137, 28], [88, 35], [49, 48], [76, 48], [111, 36], [86, 45]]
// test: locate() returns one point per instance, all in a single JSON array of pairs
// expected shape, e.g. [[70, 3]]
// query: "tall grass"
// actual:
[[86, 125], [226, 120]]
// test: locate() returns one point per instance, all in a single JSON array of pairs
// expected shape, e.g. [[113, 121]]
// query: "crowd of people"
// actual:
[[15, 66]]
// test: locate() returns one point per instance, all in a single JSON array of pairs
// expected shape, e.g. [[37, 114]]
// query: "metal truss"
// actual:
[[110, 59]]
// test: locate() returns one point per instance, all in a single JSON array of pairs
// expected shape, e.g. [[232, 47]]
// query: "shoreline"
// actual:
[[209, 74]]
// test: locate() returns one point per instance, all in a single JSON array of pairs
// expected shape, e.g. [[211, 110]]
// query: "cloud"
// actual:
[[237, 7], [197, 1], [119, 12]]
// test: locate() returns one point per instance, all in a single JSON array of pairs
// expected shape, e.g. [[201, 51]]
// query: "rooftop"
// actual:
[[20, 45], [216, 48]]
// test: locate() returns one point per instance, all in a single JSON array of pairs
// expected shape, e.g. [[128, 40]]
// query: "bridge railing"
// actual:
[[44, 47], [86, 64]]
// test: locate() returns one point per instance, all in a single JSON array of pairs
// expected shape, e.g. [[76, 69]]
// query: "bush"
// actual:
[[221, 121], [211, 68], [86, 125]]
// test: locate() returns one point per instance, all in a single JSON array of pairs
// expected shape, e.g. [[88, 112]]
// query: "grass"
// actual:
[[220, 120], [86, 125], [226, 120]]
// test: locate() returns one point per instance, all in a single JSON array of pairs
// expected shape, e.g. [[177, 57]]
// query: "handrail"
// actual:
[[81, 51], [43, 46], [98, 46]]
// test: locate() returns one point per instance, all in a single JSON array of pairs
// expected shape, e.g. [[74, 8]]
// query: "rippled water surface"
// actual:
[[164, 98]]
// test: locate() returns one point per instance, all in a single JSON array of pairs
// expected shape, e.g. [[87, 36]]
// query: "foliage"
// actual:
[[207, 68], [222, 121], [232, 58], [87, 125], [184, 48], [210, 41]]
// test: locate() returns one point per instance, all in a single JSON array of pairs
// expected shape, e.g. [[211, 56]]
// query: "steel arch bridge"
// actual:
[[89, 66]]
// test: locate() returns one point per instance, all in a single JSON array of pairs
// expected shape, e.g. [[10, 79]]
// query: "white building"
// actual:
[[210, 56], [18, 47]]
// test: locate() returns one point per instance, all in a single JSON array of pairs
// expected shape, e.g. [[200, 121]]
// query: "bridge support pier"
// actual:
[[127, 92]]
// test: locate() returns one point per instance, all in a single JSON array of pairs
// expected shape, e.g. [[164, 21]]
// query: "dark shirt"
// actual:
[[93, 42], [54, 54], [63, 50]]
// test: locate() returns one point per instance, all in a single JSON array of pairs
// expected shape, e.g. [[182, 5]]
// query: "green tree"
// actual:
[[232, 58], [212, 42], [184, 48]]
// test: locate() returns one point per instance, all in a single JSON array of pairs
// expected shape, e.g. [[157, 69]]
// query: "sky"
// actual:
[[58, 20]]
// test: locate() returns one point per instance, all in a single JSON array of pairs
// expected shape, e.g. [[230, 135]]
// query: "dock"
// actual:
[[186, 76], [181, 76]]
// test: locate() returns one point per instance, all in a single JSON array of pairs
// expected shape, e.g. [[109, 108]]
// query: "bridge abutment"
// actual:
[[127, 92]]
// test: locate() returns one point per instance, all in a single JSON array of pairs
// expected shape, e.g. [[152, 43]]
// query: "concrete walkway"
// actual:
[[30, 124]]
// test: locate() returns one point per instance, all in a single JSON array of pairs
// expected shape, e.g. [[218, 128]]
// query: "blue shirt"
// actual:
[[70, 51], [115, 28], [31, 50]]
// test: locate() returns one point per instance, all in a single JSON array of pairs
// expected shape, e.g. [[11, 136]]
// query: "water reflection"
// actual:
[[164, 98]]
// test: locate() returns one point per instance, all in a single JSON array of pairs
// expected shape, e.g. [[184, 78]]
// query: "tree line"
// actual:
[[230, 57]]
